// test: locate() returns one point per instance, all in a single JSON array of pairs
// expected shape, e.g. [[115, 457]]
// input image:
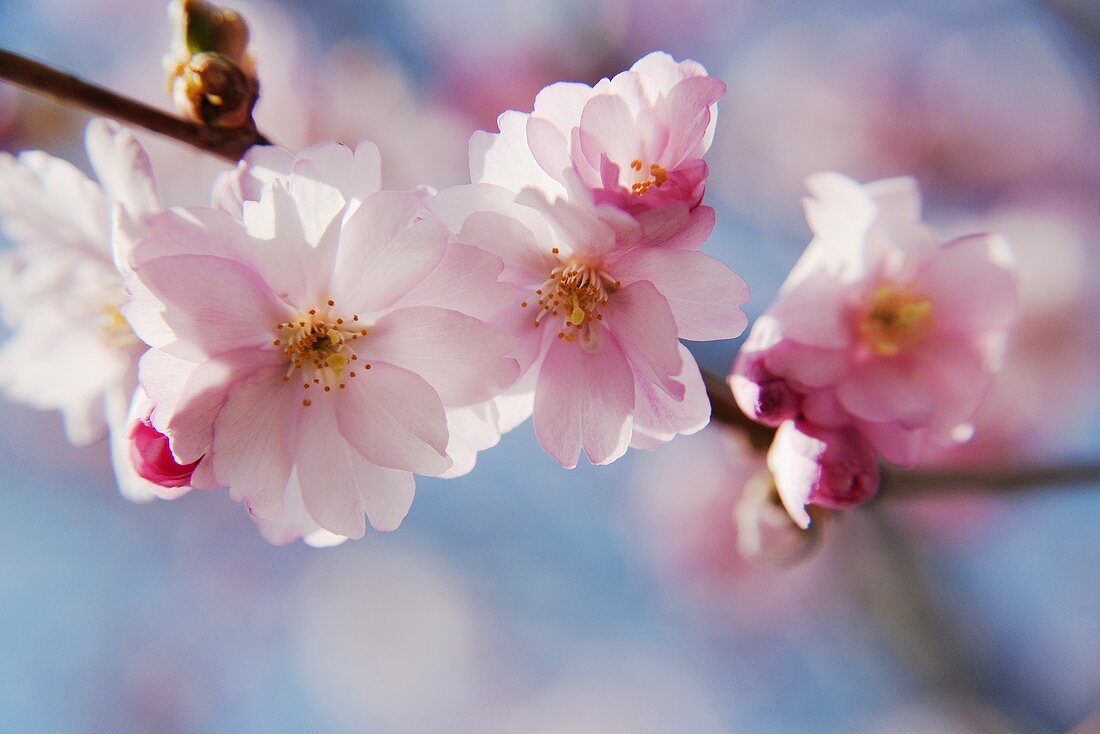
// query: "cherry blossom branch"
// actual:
[[901, 483], [914, 483], [231, 144], [228, 143]]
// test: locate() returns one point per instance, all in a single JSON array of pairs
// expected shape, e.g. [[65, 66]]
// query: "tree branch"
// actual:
[[228, 143], [1006, 479], [919, 482]]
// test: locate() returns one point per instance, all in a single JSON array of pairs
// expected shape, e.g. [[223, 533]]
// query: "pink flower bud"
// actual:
[[153, 460], [764, 397], [831, 468]]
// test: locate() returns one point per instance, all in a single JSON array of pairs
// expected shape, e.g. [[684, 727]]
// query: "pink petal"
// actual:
[[662, 72], [465, 281], [122, 167], [972, 285], [607, 126], [294, 522], [561, 104], [384, 251], [188, 416], [505, 158], [694, 232], [643, 325], [813, 314], [658, 418], [254, 438], [395, 419], [549, 146], [461, 357], [51, 203], [688, 106], [339, 485], [835, 469], [580, 228], [705, 296], [295, 264], [883, 390], [525, 260], [584, 400], [215, 303]]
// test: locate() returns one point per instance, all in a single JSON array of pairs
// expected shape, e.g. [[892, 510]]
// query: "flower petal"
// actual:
[[384, 251], [585, 400], [658, 418], [339, 485], [254, 439], [213, 302], [395, 419], [705, 296], [643, 325], [460, 356]]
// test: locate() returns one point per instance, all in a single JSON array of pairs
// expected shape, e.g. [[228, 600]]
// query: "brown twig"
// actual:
[[229, 143], [1008, 479]]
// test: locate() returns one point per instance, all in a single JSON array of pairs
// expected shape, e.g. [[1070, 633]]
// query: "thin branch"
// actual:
[[228, 143], [1005, 479], [921, 482]]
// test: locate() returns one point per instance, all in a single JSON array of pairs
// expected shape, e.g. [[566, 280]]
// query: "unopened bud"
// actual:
[[211, 89], [762, 396], [211, 75], [833, 468], [201, 27], [765, 532], [153, 460]]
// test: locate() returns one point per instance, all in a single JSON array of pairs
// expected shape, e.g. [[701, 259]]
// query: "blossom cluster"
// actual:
[[883, 340], [312, 340]]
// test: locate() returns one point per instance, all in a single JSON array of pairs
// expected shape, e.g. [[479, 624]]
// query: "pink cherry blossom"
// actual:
[[812, 465], [61, 290], [637, 140], [880, 327], [304, 354], [600, 300]]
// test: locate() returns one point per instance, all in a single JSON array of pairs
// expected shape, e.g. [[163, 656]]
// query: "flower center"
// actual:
[[114, 328], [574, 292], [657, 177], [319, 349], [894, 319]]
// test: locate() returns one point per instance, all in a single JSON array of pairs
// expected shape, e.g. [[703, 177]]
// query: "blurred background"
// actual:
[[528, 598]]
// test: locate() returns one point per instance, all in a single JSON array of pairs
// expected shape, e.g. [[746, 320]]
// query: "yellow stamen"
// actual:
[[894, 319], [577, 317]]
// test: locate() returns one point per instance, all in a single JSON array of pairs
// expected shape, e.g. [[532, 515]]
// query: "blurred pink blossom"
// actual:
[[1052, 237], [971, 113], [61, 292], [716, 540], [880, 327], [833, 468]]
